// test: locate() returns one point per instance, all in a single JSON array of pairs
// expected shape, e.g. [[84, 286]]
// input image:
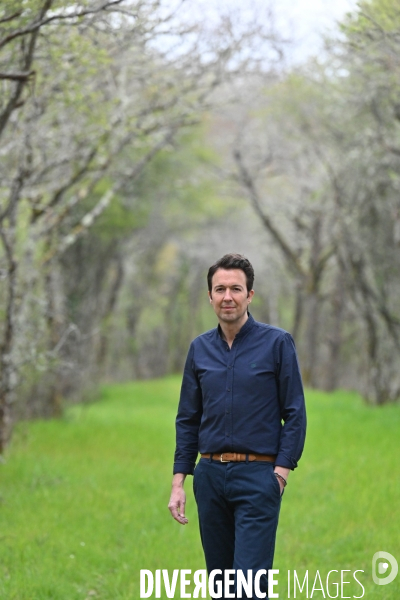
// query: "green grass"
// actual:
[[83, 500]]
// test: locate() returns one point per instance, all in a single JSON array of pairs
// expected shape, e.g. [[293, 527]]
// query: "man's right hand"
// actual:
[[177, 501]]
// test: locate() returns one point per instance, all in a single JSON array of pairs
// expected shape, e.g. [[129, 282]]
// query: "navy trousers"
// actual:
[[238, 506]]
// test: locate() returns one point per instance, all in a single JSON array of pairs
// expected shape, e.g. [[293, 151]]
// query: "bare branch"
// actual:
[[37, 24], [11, 17], [67, 185], [14, 195], [85, 223], [17, 76], [247, 181], [13, 101]]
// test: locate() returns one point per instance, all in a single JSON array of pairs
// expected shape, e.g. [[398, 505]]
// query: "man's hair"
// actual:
[[232, 261]]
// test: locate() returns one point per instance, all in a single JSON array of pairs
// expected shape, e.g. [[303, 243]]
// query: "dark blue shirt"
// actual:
[[248, 398]]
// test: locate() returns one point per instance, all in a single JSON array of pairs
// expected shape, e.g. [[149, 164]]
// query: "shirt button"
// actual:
[[229, 389]]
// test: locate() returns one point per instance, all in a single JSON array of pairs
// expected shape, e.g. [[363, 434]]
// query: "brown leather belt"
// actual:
[[235, 457]]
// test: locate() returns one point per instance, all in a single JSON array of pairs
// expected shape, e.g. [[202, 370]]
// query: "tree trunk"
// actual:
[[311, 339], [109, 309], [54, 323], [298, 311], [7, 368], [313, 301], [335, 339]]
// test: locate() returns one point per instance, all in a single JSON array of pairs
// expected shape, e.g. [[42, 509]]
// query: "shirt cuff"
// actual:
[[283, 461], [184, 467]]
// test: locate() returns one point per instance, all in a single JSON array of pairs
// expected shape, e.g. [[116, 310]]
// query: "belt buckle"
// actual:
[[221, 459]]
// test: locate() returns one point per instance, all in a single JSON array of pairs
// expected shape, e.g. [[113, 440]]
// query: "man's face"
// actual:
[[229, 296]]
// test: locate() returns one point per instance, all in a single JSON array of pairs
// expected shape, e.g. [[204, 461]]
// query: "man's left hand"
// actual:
[[284, 473]]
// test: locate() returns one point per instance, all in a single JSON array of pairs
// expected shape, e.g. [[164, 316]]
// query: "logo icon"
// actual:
[[382, 560]]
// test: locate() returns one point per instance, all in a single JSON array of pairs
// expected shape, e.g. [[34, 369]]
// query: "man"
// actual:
[[241, 380]]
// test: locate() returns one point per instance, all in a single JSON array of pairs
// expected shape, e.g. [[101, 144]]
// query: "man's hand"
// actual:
[[284, 473], [177, 501]]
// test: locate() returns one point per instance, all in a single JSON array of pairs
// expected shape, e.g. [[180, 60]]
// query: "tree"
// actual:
[[320, 168], [76, 138], [279, 173]]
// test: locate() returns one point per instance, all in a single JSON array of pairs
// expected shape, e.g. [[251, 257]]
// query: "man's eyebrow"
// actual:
[[221, 285]]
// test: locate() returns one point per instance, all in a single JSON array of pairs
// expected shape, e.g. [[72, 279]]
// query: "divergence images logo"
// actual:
[[383, 559]]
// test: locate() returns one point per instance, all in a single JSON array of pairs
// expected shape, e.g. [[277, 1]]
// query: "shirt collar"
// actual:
[[242, 331]]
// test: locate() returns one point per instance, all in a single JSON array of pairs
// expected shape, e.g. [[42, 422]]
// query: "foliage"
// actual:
[[132, 137], [317, 156], [93, 93]]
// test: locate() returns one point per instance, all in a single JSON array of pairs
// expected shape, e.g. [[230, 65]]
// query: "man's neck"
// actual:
[[229, 330]]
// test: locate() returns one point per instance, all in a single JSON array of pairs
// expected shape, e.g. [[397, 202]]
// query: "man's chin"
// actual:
[[230, 317]]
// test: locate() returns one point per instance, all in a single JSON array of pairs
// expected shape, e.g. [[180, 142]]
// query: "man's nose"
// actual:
[[227, 295]]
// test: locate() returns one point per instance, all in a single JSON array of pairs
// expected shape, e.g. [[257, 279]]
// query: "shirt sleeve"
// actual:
[[188, 419], [292, 404]]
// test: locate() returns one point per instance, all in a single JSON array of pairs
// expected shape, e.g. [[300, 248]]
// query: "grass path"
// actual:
[[83, 500]]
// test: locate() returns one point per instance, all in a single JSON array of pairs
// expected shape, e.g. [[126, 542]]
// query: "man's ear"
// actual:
[[250, 295], [209, 295]]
